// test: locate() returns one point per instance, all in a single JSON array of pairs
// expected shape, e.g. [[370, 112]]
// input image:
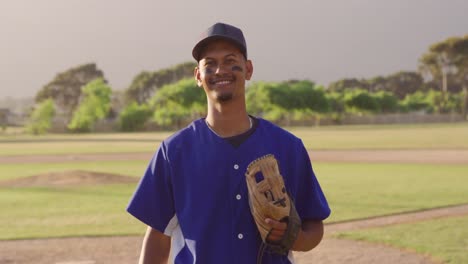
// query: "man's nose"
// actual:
[[221, 69]]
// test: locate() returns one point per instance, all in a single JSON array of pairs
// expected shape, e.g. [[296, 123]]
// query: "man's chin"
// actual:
[[223, 98]]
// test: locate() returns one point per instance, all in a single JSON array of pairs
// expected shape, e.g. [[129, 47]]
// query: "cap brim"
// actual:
[[197, 50]]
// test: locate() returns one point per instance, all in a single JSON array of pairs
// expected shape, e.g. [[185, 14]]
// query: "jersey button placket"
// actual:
[[238, 196], [240, 236]]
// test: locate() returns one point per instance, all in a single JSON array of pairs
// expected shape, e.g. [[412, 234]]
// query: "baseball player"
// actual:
[[195, 198]]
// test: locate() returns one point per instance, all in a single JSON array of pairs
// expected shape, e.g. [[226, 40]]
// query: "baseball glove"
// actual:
[[268, 198]]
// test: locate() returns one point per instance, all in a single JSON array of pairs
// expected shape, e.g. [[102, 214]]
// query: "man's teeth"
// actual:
[[223, 82]]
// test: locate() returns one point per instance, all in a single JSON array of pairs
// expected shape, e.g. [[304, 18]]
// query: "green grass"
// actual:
[[353, 191], [363, 190], [76, 147], [130, 168], [427, 136], [445, 239], [24, 144], [84, 211]]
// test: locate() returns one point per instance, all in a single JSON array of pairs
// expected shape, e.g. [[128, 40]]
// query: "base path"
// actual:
[[449, 156], [116, 250], [339, 251], [124, 250]]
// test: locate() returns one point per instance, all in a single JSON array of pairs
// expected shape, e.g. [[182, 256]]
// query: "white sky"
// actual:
[[308, 39]]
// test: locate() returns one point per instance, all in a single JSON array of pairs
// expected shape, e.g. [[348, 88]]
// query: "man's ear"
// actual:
[[249, 69], [196, 74]]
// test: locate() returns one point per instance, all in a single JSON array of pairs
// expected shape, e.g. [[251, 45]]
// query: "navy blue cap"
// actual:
[[220, 31]]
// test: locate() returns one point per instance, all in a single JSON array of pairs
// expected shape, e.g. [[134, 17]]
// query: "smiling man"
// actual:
[[194, 196]]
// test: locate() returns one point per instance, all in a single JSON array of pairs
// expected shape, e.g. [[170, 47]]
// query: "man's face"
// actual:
[[222, 71]]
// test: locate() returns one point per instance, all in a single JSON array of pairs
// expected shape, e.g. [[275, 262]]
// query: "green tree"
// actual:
[[446, 63], [464, 109], [94, 106], [134, 116], [433, 101], [172, 114], [292, 100], [299, 95], [145, 84], [41, 117], [438, 101], [387, 102], [176, 104], [360, 100], [336, 102], [400, 84], [416, 102], [348, 84], [455, 102], [310, 96], [258, 99], [65, 88]]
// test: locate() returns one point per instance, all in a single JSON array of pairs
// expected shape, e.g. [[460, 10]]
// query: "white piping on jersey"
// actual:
[[171, 226], [191, 246], [178, 241]]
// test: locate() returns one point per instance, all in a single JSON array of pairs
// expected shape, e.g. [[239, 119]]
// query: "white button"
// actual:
[[238, 197], [240, 236], [236, 167]]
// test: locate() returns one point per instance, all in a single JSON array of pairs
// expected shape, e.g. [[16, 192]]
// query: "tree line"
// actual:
[[170, 98]]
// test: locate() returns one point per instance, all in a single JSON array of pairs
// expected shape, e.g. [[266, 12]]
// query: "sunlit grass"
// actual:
[[427, 136], [353, 191], [445, 239], [369, 189], [82, 211]]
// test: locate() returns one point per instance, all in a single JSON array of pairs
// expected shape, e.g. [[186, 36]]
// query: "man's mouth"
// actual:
[[222, 81]]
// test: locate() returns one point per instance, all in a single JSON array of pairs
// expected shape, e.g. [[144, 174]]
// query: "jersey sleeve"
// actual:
[[152, 203], [310, 200]]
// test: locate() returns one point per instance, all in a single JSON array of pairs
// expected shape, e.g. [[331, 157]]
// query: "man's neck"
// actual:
[[228, 119]]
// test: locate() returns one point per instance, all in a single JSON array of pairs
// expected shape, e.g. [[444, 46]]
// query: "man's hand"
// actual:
[[308, 237], [277, 231]]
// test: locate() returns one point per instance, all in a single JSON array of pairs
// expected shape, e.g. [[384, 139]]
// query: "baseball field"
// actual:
[[398, 193]]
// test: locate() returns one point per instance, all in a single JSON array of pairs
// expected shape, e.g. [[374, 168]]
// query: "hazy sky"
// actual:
[[318, 40]]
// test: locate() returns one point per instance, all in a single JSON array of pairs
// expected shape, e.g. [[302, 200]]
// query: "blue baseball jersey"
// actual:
[[195, 191]]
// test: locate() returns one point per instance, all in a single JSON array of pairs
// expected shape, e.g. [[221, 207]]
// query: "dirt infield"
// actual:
[[124, 250], [94, 250], [449, 156], [68, 178]]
